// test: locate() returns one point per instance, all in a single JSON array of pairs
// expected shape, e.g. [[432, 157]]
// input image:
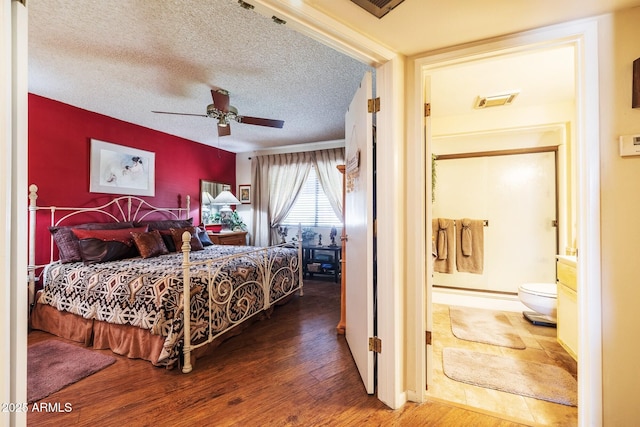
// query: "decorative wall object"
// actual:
[[116, 169], [244, 193]]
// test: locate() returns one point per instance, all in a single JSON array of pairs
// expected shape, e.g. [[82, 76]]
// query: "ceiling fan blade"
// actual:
[[224, 130], [260, 122], [180, 114], [220, 99]]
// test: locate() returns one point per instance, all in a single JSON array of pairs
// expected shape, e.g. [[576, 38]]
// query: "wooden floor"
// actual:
[[289, 370]]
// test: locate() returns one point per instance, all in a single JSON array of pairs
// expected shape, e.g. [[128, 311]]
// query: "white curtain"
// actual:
[[326, 162], [278, 179]]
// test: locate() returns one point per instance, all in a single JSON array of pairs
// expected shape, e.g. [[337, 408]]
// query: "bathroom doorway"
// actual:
[[551, 104]]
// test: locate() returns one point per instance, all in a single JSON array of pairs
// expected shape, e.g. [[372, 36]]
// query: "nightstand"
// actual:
[[321, 260], [236, 238]]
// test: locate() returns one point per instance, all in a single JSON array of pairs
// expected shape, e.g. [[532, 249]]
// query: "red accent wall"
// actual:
[[60, 148]]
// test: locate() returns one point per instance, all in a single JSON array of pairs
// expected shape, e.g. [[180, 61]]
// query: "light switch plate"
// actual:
[[630, 145]]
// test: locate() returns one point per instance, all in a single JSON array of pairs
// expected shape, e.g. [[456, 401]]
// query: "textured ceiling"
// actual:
[[126, 58]]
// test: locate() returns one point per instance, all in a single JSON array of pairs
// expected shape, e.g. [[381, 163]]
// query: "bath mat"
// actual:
[[485, 326], [525, 378], [53, 365]]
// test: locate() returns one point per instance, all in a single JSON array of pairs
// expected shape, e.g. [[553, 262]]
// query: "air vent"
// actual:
[[378, 8], [495, 100]]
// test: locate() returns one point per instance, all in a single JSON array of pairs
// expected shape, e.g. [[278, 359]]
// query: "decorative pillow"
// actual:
[[107, 245], [166, 224], [196, 245], [67, 242], [204, 237], [167, 238], [149, 244]]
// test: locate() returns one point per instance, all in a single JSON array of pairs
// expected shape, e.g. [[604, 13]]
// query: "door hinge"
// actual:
[[373, 105], [427, 110], [427, 337], [375, 344]]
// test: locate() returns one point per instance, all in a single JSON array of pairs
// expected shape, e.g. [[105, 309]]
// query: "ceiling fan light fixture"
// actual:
[[224, 113]]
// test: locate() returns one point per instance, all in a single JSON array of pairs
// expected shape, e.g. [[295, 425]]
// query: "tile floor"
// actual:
[[541, 346]]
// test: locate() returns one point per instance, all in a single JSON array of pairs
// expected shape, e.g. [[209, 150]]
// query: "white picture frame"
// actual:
[[117, 169]]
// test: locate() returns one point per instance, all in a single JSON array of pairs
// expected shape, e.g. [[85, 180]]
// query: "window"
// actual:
[[312, 208]]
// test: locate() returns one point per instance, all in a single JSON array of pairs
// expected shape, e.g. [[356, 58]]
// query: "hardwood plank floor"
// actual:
[[289, 370]]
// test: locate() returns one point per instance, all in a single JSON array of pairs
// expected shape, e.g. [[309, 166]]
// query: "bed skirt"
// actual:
[[125, 340]]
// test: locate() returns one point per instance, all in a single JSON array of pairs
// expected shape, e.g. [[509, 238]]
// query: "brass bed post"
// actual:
[[186, 301]]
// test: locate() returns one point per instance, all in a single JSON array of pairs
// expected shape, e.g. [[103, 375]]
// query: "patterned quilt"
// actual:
[[147, 293]]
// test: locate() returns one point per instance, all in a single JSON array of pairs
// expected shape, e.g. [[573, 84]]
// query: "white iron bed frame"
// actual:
[[132, 208]]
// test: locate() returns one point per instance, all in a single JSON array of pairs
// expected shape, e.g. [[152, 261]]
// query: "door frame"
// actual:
[[583, 37]]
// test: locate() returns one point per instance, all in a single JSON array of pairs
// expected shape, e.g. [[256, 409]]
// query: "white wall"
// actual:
[[243, 176], [620, 204]]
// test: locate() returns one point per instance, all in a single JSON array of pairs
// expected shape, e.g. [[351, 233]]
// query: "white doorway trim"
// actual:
[[13, 209], [582, 35]]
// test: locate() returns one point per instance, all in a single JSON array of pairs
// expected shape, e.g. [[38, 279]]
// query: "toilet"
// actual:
[[542, 299]]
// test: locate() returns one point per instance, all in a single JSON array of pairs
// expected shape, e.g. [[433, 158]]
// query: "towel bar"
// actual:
[[485, 222]]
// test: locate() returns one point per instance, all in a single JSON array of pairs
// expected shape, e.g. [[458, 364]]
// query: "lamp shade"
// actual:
[[226, 198], [207, 198]]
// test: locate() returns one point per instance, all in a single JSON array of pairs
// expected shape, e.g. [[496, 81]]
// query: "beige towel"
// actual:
[[470, 245], [443, 230]]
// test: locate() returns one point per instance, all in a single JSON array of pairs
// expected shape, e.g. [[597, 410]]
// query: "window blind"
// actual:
[[312, 208]]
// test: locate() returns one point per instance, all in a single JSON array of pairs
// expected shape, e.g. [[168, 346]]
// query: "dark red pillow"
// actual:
[[67, 242], [107, 245]]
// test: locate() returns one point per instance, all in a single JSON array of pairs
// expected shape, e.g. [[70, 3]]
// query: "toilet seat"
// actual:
[[547, 290]]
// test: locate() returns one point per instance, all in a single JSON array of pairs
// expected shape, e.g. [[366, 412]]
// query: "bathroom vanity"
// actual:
[[567, 316]]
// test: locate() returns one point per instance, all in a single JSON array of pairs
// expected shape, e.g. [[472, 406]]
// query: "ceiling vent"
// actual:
[[378, 8], [496, 100]]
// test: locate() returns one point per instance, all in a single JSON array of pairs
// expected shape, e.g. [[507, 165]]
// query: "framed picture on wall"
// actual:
[[244, 193], [116, 169]]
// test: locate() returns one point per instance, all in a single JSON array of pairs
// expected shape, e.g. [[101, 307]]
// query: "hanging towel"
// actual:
[[466, 238], [470, 245], [445, 245]]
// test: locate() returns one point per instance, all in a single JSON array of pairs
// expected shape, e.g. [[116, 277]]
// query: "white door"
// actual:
[[359, 231]]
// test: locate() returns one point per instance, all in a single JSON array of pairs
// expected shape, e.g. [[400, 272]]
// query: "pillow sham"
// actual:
[[176, 233], [167, 238], [149, 244], [166, 224], [67, 242], [204, 237], [107, 245]]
